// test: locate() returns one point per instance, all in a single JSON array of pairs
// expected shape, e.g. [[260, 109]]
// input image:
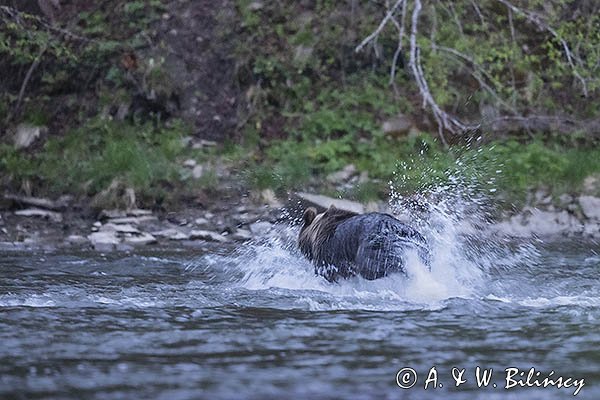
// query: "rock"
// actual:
[[269, 198], [343, 175], [36, 212], [104, 241], [591, 229], [540, 223], [172, 234], [124, 247], [302, 54], [590, 206], [565, 199], [110, 214], [142, 239], [245, 218], [25, 135], [255, 6], [397, 126], [261, 228], [198, 171], [242, 235], [76, 239], [591, 184], [138, 212], [122, 228], [191, 163], [323, 202], [203, 144], [201, 221], [208, 235], [133, 220]]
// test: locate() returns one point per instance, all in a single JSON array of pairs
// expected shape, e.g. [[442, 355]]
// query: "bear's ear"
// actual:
[[309, 215]]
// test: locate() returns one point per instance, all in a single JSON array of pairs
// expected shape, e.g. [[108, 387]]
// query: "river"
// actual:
[[255, 322]]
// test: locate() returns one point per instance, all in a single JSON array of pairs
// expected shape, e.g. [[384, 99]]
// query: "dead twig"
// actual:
[[401, 27], [382, 25], [444, 120], [20, 16], [26, 80], [536, 20]]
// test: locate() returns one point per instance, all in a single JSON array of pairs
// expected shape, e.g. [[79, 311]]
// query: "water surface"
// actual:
[[256, 323]]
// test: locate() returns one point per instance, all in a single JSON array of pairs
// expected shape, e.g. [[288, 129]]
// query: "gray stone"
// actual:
[[36, 212], [111, 214], [133, 220], [201, 221], [343, 175], [119, 228], [242, 235], [208, 235], [591, 229], [302, 54], [255, 6], [138, 212], [261, 228], [397, 126], [324, 202], [104, 241], [124, 247], [172, 234], [76, 239], [198, 171], [142, 239], [590, 206], [191, 163], [25, 135], [591, 184], [541, 223], [565, 199]]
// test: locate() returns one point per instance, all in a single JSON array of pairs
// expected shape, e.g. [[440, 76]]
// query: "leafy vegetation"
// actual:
[[89, 158], [310, 105]]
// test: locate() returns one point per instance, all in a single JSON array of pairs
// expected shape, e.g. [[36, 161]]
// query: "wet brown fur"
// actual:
[[318, 228]]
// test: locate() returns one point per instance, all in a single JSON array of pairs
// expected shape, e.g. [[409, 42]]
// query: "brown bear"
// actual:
[[342, 244]]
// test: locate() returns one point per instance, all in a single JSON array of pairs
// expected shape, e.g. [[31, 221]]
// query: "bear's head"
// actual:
[[318, 228]]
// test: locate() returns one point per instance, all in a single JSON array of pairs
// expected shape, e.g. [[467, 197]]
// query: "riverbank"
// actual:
[[43, 224]]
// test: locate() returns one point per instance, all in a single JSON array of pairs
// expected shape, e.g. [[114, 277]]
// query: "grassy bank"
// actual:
[[150, 160], [307, 103]]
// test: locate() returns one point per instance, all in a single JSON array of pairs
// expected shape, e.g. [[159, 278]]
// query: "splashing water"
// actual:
[[454, 217]]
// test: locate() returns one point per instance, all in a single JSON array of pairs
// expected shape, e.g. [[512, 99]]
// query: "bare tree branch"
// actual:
[[401, 32], [476, 69], [32, 68], [17, 15], [445, 121], [382, 25], [535, 19]]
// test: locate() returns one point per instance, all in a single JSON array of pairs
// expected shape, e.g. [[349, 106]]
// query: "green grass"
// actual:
[[509, 168], [88, 159]]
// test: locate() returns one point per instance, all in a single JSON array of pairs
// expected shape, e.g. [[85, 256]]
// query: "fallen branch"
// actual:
[[542, 123], [37, 202]]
